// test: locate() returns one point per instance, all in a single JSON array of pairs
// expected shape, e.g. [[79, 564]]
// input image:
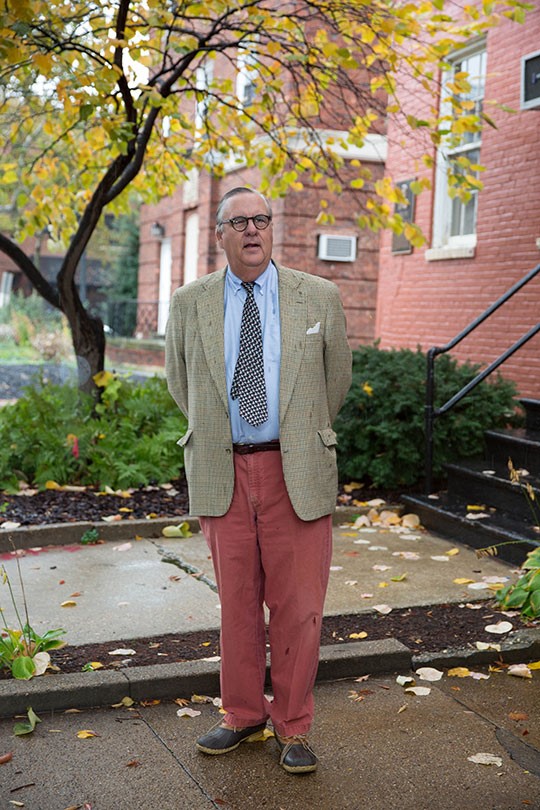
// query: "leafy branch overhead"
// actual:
[[99, 102], [90, 91]]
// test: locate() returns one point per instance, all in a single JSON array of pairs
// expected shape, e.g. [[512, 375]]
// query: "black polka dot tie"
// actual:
[[248, 384]]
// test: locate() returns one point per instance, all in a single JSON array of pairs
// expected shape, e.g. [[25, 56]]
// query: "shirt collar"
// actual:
[[261, 282]]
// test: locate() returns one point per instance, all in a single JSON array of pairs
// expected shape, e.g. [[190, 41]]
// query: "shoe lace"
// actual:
[[296, 739]]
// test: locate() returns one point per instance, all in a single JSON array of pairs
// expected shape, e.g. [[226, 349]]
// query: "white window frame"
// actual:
[[245, 77], [444, 244], [6, 286], [204, 75]]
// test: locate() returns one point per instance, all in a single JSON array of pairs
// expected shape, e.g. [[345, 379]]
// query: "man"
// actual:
[[257, 359]]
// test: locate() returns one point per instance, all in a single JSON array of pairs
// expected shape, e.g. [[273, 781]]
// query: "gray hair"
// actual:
[[233, 193]]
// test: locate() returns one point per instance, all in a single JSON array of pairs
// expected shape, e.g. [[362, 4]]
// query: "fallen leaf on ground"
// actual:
[[86, 734], [6, 758], [380, 567], [133, 763], [352, 485], [476, 515], [126, 701], [123, 547], [212, 658], [376, 502], [362, 634], [478, 586], [418, 690], [499, 628], [484, 645], [486, 759], [518, 716], [440, 558], [462, 581], [519, 670], [336, 568], [534, 665], [201, 699], [68, 603], [122, 651], [111, 518], [384, 609], [42, 661], [10, 524], [389, 518], [406, 555], [405, 680], [92, 665], [429, 674], [187, 712], [410, 521], [351, 582], [476, 507], [458, 672], [399, 578], [453, 552], [20, 729], [363, 520], [479, 676]]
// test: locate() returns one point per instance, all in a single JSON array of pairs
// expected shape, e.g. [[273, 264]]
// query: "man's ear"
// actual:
[[219, 237]]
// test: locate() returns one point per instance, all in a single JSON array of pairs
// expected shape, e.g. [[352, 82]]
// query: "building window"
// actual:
[[6, 285], [454, 219], [203, 79], [246, 78]]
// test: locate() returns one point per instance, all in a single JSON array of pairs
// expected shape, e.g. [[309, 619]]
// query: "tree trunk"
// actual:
[[88, 338]]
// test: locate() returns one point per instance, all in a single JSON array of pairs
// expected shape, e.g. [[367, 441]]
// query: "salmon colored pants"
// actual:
[[263, 553]]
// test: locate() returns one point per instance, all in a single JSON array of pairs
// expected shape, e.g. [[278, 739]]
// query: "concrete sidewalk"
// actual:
[[136, 586], [379, 748]]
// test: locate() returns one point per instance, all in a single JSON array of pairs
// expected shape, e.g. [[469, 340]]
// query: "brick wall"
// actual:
[[427, 303], [296, 235]]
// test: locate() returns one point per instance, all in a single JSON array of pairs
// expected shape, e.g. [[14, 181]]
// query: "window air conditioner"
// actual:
[[337, 248]]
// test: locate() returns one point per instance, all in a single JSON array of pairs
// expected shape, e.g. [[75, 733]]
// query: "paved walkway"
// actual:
[[380, 747]]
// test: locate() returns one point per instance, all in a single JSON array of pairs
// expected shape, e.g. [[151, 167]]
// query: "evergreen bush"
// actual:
[[381, 425], [56, 433]]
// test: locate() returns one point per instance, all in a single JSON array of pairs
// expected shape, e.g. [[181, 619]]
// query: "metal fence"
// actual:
[[129, 318]]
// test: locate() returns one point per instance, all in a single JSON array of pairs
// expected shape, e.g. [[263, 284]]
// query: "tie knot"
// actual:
[[248, 286]]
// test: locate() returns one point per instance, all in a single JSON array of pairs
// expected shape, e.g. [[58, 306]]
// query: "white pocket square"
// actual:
[[313, 330]]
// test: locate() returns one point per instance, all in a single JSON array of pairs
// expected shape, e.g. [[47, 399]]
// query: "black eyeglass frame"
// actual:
[[266, 219]]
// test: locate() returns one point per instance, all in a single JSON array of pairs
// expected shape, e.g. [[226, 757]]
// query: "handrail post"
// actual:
[[429, 418]]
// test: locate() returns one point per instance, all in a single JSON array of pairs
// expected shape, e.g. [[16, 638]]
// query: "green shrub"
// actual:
[[381, 425], [127, 440]]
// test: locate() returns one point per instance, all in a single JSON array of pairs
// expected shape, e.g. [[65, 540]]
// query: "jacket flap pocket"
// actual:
[[183, 440], [328, 437]]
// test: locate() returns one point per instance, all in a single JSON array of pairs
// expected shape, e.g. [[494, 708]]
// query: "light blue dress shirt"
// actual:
[[267, 300]]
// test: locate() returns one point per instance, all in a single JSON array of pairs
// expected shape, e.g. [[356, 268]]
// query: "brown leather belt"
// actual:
[[244, 449]]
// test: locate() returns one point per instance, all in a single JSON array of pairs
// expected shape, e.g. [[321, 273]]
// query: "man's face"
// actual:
[[248, 252]]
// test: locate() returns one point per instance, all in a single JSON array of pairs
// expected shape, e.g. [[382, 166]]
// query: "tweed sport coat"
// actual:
[[315, 376]]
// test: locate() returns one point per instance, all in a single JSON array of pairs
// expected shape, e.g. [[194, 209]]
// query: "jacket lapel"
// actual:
[[210, 317], [293, 316]]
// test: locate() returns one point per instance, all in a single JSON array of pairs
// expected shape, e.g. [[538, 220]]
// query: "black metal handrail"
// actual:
[[431, 413]]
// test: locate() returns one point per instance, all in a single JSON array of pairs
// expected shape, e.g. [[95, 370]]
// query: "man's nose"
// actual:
[[251, 229]]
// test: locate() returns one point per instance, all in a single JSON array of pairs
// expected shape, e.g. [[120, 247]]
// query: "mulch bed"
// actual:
[[421, 629]]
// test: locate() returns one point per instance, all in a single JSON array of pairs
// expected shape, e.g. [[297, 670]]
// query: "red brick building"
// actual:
[[177, 238], [474, 251]]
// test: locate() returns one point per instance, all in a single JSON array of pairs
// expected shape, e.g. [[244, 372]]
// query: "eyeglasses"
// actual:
[[261, 222]]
